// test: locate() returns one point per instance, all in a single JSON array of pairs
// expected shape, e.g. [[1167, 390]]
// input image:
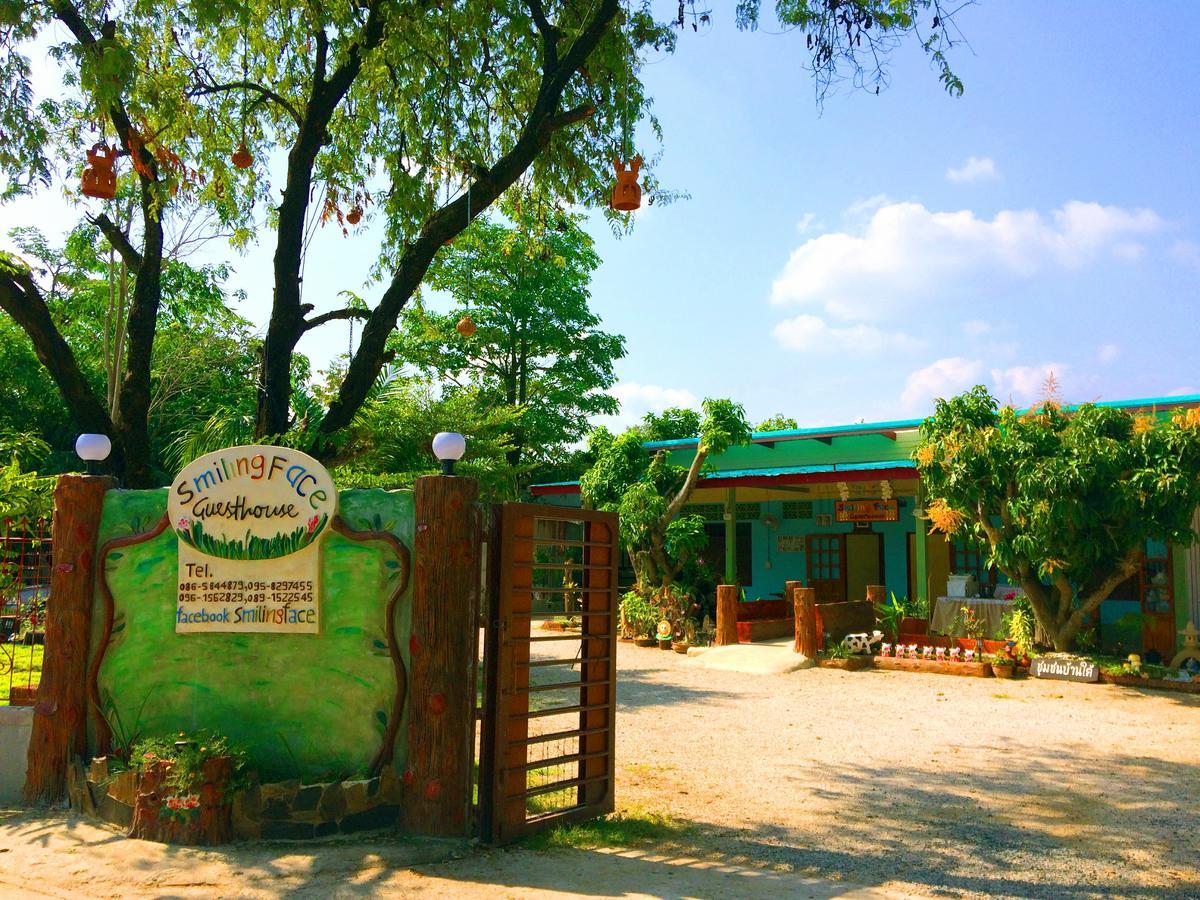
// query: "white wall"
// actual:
[[16, 723]]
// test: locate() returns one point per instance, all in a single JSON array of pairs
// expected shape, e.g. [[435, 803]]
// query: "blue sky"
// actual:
[[856, 261]]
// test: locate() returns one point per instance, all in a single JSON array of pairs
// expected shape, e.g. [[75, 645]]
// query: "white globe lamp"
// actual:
[[449, 447], [93, 448]]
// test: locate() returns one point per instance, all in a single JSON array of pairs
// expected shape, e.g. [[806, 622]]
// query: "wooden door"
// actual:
[[827, 566], [864, 563], [1158, 602]]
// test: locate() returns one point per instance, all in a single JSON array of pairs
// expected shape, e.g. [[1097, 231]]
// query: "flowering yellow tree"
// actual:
[[1065, 499]]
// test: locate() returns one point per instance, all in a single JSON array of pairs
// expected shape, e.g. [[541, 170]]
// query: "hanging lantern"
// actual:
[[241, 157], [355, 215], [626, 195], [99, 179], [465, 326]]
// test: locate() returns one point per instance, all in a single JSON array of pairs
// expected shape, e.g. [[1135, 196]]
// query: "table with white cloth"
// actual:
[[987, 609]]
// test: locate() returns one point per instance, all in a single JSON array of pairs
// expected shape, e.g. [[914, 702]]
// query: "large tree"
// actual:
[[538, 349], [1064, 498], [650, 492], [421, 114]]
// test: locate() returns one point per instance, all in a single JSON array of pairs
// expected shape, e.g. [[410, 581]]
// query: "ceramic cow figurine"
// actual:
[[862, 642]]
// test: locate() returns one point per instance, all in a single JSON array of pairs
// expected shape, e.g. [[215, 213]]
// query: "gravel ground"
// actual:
[[925, 783]]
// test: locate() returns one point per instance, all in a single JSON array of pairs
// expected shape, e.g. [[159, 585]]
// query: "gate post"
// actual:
[[441, 707], [804, 600], [727, 602], [60, 716]]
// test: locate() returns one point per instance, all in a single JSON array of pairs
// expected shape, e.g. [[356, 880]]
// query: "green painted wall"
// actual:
[[308, 706]]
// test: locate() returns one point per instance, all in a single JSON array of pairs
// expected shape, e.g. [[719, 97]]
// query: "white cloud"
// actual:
[[1024, 384], [976, 328], [1183, 391], [1108, 353], [905, 253], [976, 168], [638, 399], [943, 378], [812, 334], [808, 222]]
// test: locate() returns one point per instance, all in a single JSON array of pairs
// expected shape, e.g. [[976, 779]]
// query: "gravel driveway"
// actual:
[[934, 784]]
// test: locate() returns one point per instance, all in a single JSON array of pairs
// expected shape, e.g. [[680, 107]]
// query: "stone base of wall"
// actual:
[[16, 724], [287, 810]]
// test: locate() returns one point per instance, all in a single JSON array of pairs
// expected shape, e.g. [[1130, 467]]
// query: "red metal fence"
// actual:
[[25, 550]]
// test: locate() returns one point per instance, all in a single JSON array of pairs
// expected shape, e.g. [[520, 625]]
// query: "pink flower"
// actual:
[[174, 802], [1011, 595], [184, 523], [191, 801], [312, 524]]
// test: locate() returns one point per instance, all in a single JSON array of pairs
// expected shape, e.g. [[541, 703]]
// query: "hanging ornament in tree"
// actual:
[[99, 179], [466, 326], [627, 195], [241, 157], [355, 215]]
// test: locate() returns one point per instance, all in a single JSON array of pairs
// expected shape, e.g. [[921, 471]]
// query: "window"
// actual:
[[797, 509], [715, 554], [968, 557]]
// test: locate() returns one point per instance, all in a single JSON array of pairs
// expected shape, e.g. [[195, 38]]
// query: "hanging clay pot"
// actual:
[[241, 157], [465, 326], [626, 195], [99, 179], [355, 215]]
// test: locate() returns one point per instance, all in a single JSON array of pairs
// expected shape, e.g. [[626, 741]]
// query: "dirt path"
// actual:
[[805, 785], [922, 782]]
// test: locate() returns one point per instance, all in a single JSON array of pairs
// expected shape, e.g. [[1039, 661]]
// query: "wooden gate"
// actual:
[[549, 692]]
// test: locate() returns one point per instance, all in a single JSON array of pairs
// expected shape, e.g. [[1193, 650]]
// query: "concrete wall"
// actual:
[[16, 722], [310, 706]]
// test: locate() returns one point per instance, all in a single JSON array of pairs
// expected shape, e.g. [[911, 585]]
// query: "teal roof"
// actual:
[[805, 470]]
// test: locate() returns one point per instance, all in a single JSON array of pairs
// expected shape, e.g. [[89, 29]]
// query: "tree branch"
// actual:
[[119, 241], [349, 313], [262, 90], [572, 116], [549, 34]]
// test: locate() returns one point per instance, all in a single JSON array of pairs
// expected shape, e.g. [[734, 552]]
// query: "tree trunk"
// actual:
[[60, 720], [727, 604]]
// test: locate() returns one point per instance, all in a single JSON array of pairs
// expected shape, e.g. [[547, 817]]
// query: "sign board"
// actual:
[[866, 510], [1064, 669], [790, 543], [250, 522]]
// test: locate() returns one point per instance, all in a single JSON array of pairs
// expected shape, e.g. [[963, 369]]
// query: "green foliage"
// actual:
[[649, 491], [186, 754], [672, 424], [24, 495], [538, 350], [838, 650], [889, 615], [1066, 500], [1018, 625], [777, 422], [628, 827], [639, 616]]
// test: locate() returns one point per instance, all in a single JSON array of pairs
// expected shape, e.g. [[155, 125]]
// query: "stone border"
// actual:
[[285, 810]]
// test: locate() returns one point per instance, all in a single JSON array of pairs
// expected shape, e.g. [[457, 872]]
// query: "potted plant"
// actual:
[[1017, 625], [890, 616], [916, 616], [663, 634], [640, 618], [1002, 666]]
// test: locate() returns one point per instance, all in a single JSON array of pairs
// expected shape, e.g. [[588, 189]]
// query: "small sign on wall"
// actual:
[[789, 543], [1064, 669], [866, 510], [250, 521]]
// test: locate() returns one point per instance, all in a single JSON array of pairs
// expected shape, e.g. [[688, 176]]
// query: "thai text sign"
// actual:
[[250, 521], [790, 543], [866, 510], [1064, 669]]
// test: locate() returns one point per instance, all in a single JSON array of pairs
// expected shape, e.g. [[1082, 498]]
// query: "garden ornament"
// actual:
[[885, 650], [466, 326], [940, 654], [242, 158], [955, 654], [355, 215], [927, 652], [861, 642], [969, 655], [626, 195], [1190, 651], [1134, 664], [912, 651], [99, 179]]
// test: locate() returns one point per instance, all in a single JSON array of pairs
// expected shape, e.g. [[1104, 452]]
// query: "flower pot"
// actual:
[[913, 625], [679, 646], [1003, 670], [625, 640], [664, 644], [645, 641]]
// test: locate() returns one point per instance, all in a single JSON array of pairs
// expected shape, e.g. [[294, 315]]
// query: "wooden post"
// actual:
[[727, 601], [60, 719], [805, 605], [877, 593], [441, 705], [789, 595]]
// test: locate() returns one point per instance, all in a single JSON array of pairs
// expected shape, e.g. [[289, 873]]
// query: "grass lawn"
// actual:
[[26, 667]]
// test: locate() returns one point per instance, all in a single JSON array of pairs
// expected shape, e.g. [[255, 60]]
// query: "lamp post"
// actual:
[[93, 448], [449, 447]]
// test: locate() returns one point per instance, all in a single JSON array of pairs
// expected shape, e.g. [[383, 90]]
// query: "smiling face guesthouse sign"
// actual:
[[250, 522]]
